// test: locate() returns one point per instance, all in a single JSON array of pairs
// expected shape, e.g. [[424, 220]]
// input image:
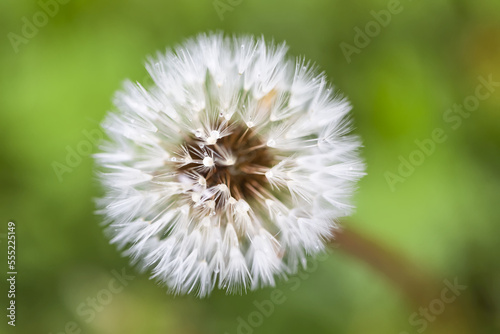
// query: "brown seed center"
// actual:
[[251, 158]]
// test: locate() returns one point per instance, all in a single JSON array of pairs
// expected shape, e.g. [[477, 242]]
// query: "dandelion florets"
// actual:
[[231, 169]]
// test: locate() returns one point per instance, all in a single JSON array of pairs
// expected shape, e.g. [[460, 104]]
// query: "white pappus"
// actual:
[[231, 169]]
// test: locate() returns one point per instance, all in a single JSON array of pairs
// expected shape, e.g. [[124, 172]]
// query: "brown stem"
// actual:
[[420, 288], [412, 281]]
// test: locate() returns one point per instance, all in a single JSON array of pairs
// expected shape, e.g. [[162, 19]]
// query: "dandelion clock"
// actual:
[[229, 171]]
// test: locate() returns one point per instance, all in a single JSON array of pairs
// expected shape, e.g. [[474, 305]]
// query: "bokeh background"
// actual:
[[444, 217]]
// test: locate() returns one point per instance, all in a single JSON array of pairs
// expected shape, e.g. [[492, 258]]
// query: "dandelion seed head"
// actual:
[[231, 169]]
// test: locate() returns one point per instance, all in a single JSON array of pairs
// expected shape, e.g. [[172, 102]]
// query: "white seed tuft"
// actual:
[[208, 162], [232, 141]]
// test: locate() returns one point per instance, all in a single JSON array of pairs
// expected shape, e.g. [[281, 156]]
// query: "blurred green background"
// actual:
[[444, 217]]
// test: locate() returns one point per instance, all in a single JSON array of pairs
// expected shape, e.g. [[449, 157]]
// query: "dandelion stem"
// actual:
[[410, 279], [420, 288]]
